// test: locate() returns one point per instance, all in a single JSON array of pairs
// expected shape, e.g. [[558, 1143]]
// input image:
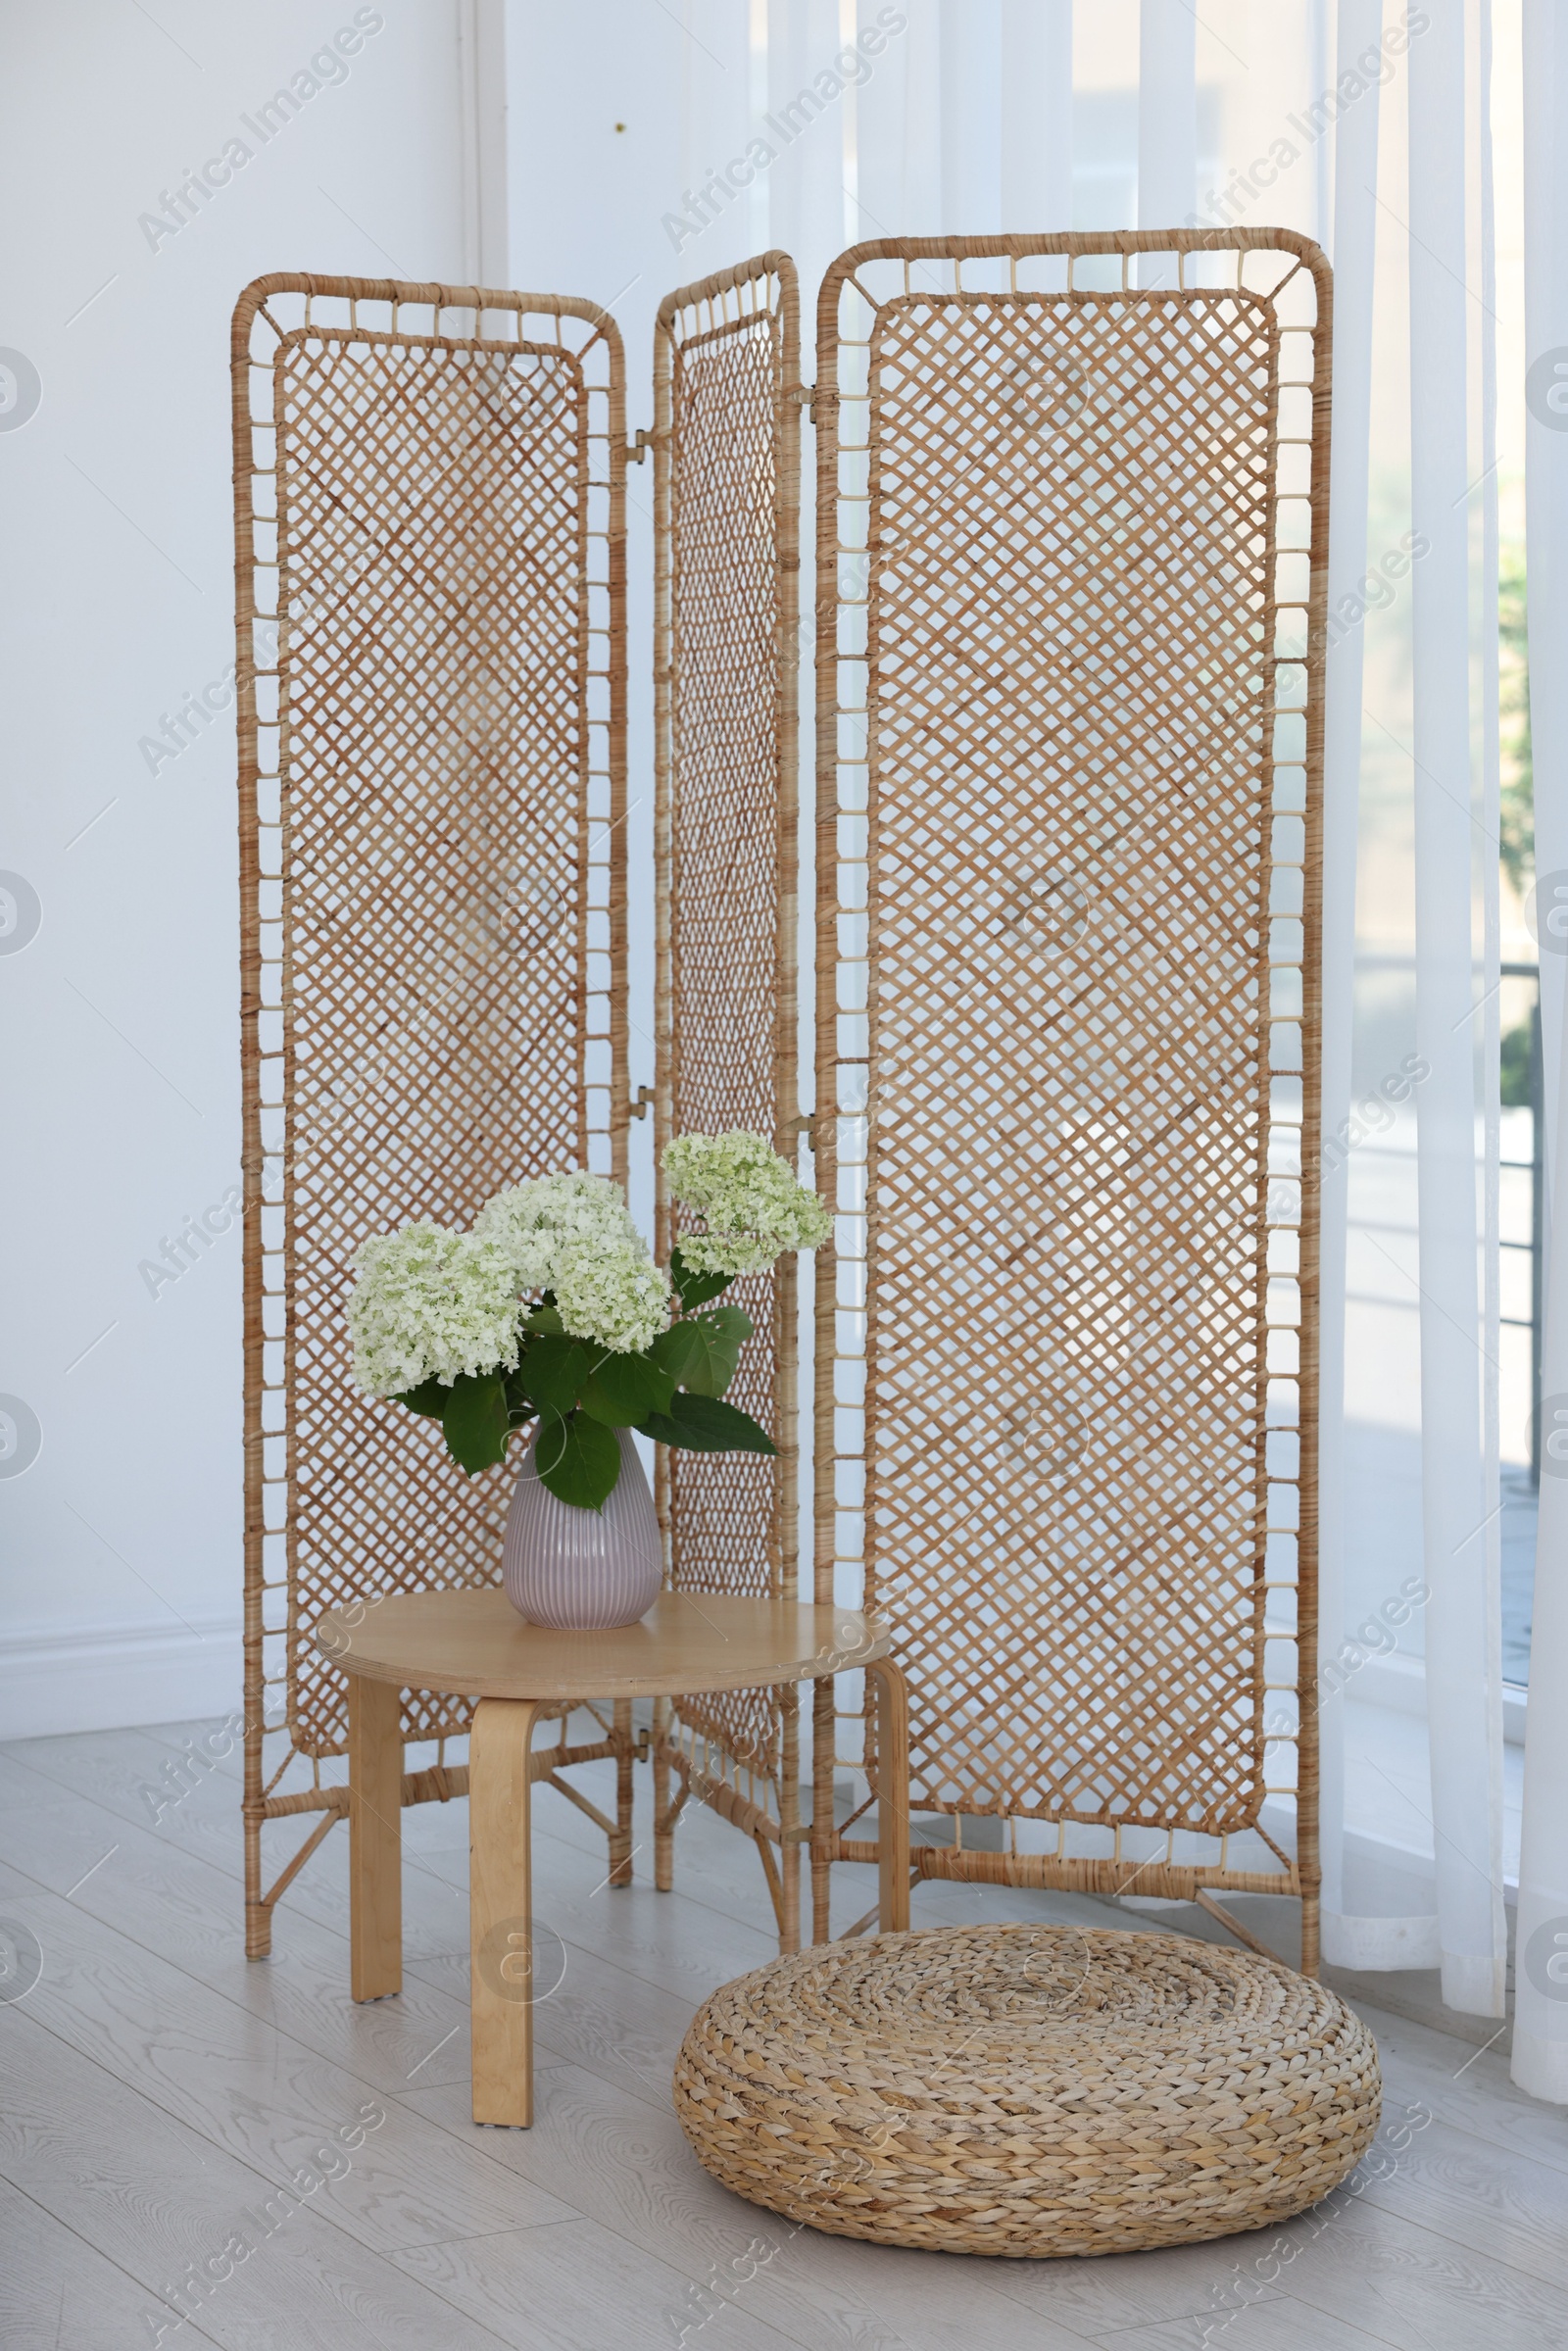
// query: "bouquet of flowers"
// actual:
[[551, 1309]]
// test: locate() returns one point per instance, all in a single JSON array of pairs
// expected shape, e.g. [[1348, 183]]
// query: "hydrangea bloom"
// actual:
[[532, 1219], [429, 1304], [749, 1199], [610, 1292], [432, 1305]]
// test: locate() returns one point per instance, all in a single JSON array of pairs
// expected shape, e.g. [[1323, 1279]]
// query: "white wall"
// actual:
[[601, 105], [119, 1547], [119, 1544]]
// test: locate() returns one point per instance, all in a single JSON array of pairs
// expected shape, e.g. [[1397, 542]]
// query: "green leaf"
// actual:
[[552, 1370], [694, 1288], [520, 1405], [429, 1397], [701, 1350], [732, 1325], [475, 1420], [578, 1458], [543, 1318], [622, 1390], [684, 1351], [702, 1424]]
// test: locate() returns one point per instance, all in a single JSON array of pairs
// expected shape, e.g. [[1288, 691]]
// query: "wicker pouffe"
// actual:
[[1028, 2090]]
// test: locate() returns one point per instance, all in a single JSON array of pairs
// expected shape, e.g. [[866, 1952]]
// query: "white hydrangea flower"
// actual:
[[533, 1219], [427, 1304], [612, 1292], [748, 1200]]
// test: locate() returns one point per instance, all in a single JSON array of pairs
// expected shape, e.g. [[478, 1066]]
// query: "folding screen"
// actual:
[[430, 562], [1071, 515], [726, 447]]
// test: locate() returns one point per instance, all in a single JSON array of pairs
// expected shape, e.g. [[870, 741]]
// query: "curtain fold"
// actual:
[[1486, 867], [1167, 113], [1167, 124], [972, 115], [899, 128], [1464, 1699], [1349, 1940], [880, 141], [1540, 1976], [1035, 115]]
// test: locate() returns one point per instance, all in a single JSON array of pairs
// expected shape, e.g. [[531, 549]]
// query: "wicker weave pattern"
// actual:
[[431, 696], [1068, 790], [1108, 893], [1028, 2091], [727, 438], [441, 869], [724, 882]]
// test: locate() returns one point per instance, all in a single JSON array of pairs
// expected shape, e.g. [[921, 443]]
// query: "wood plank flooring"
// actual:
[[198, 2150]]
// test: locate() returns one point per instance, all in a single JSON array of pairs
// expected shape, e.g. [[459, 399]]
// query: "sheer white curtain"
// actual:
[[1167, 113], [969, 60], [1036, 114], [898, 129], [1347, 1940], [1368, 123], [1442, 243], [1541, 2026], [1463, 1620], [967, 125]]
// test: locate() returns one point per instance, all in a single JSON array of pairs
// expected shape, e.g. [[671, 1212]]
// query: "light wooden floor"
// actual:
[[159, 2093]]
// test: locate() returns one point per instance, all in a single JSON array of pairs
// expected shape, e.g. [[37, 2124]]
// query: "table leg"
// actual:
[[626, 1756], [376, 1838], [664, 1833], [500, 1911], [893, 1794]]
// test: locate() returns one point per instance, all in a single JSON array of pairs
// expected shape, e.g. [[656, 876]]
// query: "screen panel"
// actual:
[[431, 693], [1071, 515], [727, 534]]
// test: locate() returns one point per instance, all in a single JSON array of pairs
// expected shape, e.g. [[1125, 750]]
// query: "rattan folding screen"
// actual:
[[726, 451], [431, 664], [1071, 515], [1071, 503]]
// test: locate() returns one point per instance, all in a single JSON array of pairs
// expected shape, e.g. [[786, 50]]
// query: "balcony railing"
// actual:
[[1535, 1167]]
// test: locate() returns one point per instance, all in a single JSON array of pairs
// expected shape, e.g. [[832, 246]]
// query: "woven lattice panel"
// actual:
[[432, 775], [1070, 809], [727, 451]]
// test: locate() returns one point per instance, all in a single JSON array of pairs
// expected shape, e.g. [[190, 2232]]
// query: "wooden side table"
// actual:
[[474, 1645]]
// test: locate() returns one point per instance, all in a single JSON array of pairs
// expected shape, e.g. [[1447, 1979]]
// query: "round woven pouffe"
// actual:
[[1028, 2090]]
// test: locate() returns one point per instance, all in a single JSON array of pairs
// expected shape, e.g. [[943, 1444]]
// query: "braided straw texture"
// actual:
[[727, 454], [1071, 515], [1028, 2090]]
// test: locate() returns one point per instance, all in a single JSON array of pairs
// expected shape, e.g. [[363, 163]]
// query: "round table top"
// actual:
[[474, 1645]]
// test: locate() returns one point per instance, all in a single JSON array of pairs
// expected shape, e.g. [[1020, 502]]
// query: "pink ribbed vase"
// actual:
[[582, 1571]]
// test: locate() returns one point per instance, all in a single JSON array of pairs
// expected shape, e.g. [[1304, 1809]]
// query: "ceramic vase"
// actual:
[[582, 1571]]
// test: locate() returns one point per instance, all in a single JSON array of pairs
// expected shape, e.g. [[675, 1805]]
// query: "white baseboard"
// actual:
[[110, 1676]]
